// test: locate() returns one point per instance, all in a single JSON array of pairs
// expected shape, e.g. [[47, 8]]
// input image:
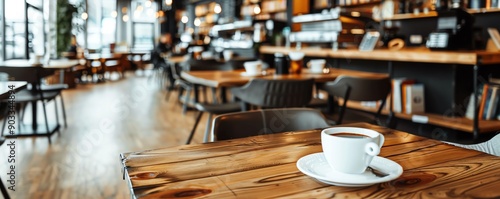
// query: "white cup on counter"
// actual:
[[253, 67], [316, 65]]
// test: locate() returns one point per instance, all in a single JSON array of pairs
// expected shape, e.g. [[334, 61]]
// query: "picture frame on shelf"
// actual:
[[369, 41]]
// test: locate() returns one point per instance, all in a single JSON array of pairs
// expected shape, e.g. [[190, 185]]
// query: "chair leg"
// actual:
[[186, 101], [206, 137], [46, 121], [63, 111], [57, 112], [191, 134], [4, 190]]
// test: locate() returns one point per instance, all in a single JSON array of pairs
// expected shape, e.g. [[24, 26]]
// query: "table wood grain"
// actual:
[[265, 167], [421, 55], [235, 78]]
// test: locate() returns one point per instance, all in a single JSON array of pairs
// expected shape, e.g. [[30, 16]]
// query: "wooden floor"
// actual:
[[105, 120]]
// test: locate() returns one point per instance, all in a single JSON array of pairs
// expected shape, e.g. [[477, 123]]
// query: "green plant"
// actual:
[[65, 13]]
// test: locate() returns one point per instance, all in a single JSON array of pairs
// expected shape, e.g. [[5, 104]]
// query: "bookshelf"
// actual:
[[457, 123], [474, 59]]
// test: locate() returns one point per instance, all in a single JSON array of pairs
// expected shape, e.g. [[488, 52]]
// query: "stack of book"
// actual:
[[407, 96], [487, 103]]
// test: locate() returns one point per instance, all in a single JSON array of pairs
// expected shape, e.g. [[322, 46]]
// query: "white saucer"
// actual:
[[245, 74], [315, 165]]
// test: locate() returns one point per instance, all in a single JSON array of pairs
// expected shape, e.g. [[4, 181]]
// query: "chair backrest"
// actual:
[[210, 64], [359, 89], [266, 121], [276, 93]]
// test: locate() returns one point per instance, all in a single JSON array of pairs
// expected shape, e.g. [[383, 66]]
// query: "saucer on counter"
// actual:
[[316, 166]]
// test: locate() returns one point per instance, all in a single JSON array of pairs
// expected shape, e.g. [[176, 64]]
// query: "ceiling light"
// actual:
[[217, 8]]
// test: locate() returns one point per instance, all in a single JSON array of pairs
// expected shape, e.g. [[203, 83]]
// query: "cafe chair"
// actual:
[[187, 87], [211, 109], [33, 94], [491, 146], [265, 93], [266, 121], [350, 88], [57, 88], [275, 93]]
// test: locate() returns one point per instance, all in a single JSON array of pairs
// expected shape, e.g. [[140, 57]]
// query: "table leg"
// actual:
[[61, 76], [34, 123], [223, 94]]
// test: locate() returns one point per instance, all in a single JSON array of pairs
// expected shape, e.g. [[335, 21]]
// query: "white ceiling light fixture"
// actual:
[[85, 16], [148, 4], [217, 8], [114, 14], [256, 9], [197, 22], [184, 19], [125, 18], [169, 4]]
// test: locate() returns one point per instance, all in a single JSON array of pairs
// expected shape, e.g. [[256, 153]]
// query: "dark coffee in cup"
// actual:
[[350, 135]]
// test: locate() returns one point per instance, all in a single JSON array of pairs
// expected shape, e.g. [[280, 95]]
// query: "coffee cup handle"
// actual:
[[372, 149], [381, 140]]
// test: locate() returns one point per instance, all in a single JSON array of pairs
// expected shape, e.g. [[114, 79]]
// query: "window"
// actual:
[[24, 29], [143, 21], [15, 31], [101, 24], [36, 34], [143, 36]]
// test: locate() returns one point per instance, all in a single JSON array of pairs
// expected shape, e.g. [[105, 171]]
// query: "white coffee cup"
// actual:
[[228, 55], [316, 65], [253, 67], [350, 149]]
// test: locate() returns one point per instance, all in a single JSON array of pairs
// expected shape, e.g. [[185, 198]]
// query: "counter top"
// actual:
[[422, 55]]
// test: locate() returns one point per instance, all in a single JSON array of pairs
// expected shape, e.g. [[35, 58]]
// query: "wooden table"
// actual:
[[265, 167], [234, 78], [62, 65], [23, 70]]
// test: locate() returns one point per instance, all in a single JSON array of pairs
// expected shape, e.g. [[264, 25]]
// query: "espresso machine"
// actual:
[[454, 30]]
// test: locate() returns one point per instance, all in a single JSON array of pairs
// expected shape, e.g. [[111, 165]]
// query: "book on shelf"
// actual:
[[488, 103], [469, 112], [493, 103], [484, 95], [398, 97], [415, 99], [495, 36]]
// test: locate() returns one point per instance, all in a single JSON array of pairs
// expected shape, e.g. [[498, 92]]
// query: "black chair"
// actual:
[[351, 88], [265, 93], [266, 121], [33, 95], [58, 88], [275, 93], [188, 87]]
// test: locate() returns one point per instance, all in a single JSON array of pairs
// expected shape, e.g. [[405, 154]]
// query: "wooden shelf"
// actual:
[[457, 123], [371, 3], [434, 14], [412, 16], [419, 55]]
